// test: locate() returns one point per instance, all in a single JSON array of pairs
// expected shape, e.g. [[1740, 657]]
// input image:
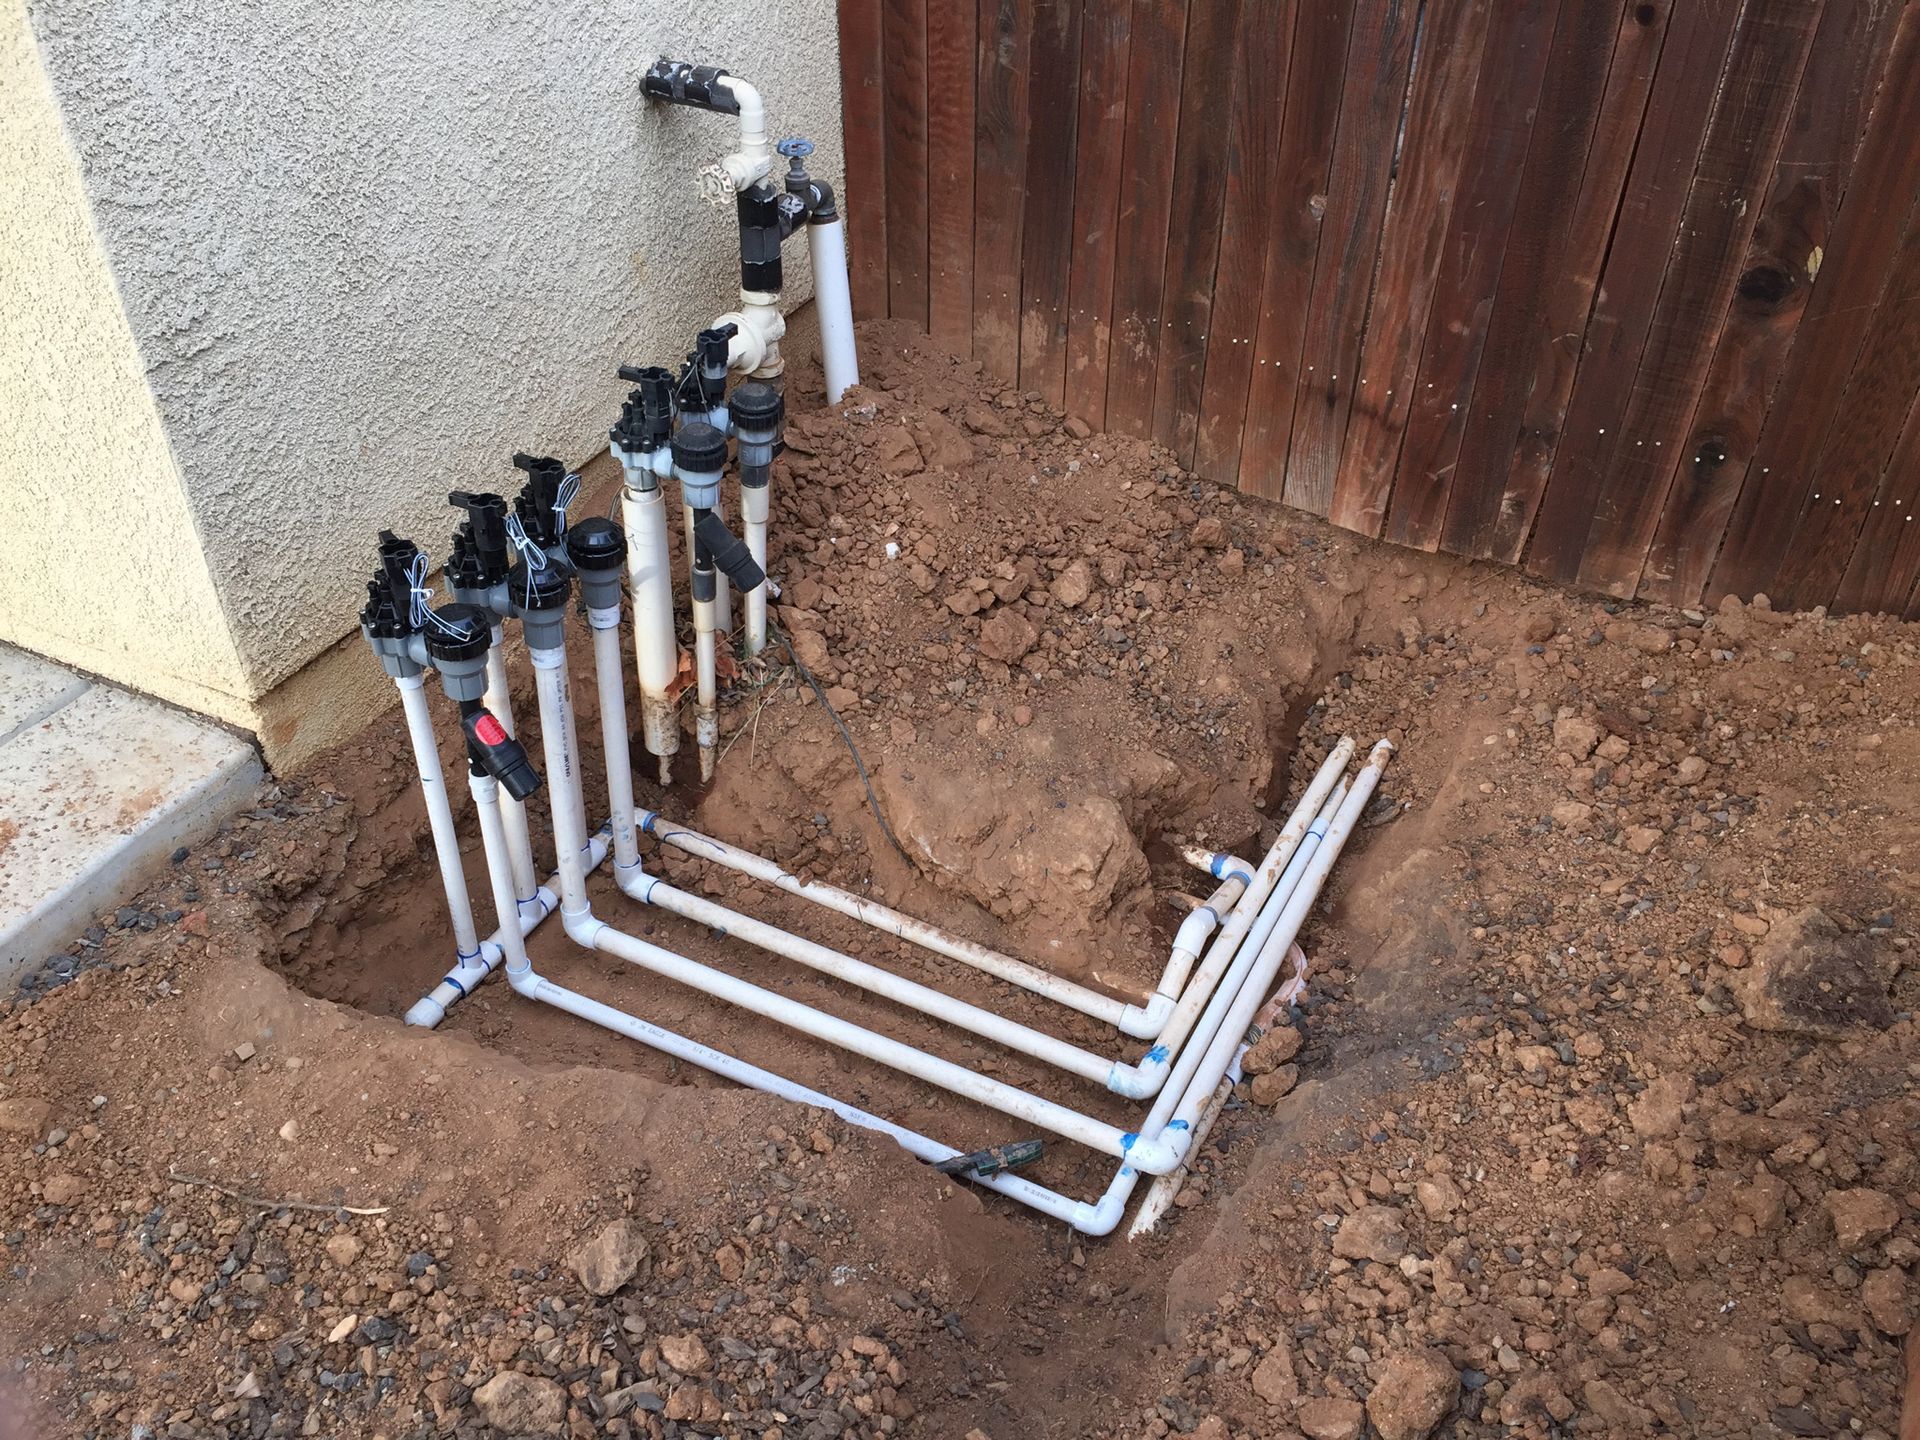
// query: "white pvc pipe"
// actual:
[[1216, 863], [1166, 1188], [1274, 950], [605, 624], [1204, 1006], [513, 815], [1191, 938], [755, 153], [833, 299], [706, 713], [1131, 1020], [433, 789], [650, 583], [1181, 1000], [576, 915], [755, 505], [1010, 1033], [717, 1062], [459, 982]]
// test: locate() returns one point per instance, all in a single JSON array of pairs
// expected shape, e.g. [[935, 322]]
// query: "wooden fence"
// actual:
[[1626, 293]]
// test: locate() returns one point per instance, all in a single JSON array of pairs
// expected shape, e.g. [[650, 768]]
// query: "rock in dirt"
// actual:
[[686, 1353], [62, 1189], [1574, 736], [24, 1115], [1073, 585], [898, 454], [1328, 1418], [1373, 1232], [517, 1404], [1659, 1110], [1007, 636], [1884, 1293], [1209, 533], [1274, 1086], [1273, 1377], [1861, 1217], [1438, 1195], [343, 1249], [1412, 1392], [1810, 977], [611, 1258], [1271, 1050]]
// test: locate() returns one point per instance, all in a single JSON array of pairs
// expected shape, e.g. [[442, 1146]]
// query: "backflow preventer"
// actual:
[[524, 563]]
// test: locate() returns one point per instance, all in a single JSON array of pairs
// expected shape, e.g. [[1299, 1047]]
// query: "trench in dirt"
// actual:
[[385, 945]]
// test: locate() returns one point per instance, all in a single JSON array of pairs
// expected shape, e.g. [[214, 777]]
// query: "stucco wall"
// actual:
[[103, 568], [367, 252]]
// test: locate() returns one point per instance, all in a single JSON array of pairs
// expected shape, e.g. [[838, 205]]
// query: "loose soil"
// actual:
[[1604, 1118]]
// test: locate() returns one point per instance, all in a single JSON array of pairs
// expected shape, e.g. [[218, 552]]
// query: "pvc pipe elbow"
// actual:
[[1146, 1023], [582, 927], [635, 883], [1144, 1080], [524, 982], [1191, 938], [1101, 1217], [1159, 1154]]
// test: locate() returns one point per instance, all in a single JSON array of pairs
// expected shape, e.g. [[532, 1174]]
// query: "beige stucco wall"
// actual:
[[365, 253], [103, 568]]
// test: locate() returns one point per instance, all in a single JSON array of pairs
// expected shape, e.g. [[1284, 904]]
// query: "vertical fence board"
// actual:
[[1840, 314], [1743, 139], [1886, 560], [904, 35], [1378, 56], [1862, 432], [1259, 101], [1534, 94], [951, 66], [1305, 156], [1047, 229], [1451, 488], [999, 165], [1440, 108], [1553, 349], [1193, 228], [1140, 230], [1105, 30], [1775, 277], [1617, 327], [861, 122]]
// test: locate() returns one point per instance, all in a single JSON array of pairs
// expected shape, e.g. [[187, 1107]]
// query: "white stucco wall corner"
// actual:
[[368, 252], [114, 579]]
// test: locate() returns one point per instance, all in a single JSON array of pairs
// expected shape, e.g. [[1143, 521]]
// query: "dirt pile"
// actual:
[[1598, 1115]]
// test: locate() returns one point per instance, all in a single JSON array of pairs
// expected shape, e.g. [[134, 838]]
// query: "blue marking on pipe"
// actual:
[[456, 985], [1126, 1141], [647, 819], [1242, 876], [473, 954], [1156, 1054], [1213, 912], [1214, 865], [1178, 1125]]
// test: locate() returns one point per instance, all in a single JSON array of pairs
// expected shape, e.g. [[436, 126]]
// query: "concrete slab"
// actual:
[[97, 788], [32, 689]]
